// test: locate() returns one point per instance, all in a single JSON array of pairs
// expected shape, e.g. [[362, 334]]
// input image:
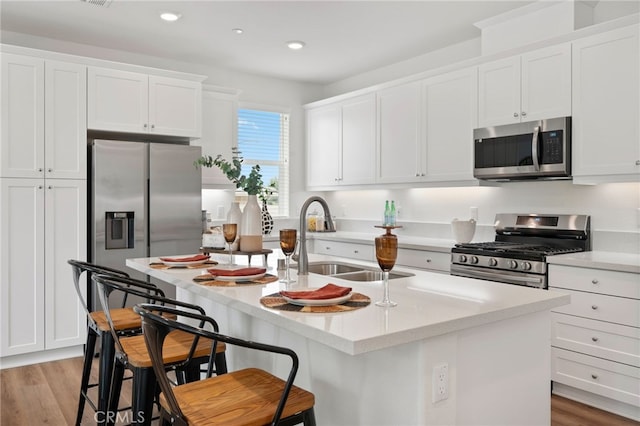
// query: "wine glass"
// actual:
[[386, 253], [230, 230], [288, 246]]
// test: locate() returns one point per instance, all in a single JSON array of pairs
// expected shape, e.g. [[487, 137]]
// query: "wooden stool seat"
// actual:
[[176, 348], [123, 319], [246, 397]]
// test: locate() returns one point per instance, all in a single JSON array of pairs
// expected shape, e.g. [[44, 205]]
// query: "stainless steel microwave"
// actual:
[[532, 150]]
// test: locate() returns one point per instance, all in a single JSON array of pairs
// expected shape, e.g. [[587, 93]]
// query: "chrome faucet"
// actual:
[[303, 259]]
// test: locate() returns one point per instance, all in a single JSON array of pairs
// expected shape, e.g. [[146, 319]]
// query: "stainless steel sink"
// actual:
[[352, 272], [371, 275]]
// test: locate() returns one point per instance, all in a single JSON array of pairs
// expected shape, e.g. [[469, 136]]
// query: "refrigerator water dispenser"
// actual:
[[119, 232]]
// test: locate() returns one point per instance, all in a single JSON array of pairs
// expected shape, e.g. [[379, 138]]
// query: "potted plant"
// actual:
[[251, 222]]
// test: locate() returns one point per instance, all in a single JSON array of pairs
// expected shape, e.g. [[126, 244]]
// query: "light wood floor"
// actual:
[[48, 394]]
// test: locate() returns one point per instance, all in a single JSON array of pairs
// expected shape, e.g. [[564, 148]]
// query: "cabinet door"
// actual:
[[546, 83], [359, 140], [399, 115], [324, 162], [22, 105], [65, 238], [219, 124], [117, 100], [66, 120], [606, 94], [450, 115], [21, 266], [499, 92], [175, 107]]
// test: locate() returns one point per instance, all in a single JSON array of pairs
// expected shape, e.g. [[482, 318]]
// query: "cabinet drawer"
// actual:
[[342, 249], [624, 284], [424, 259], [610, 379], [619, 310], [614, 342]]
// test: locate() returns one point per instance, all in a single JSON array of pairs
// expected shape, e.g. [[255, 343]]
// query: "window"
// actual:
[[263, 138]]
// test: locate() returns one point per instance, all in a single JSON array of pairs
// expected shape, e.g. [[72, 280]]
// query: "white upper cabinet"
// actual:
[[359, 140], [532, 86], [341, 143], [450, 115], [65, 112], [219, 128], [399, 124], [130, 102], [606, 125], [324, 144], [43, 118]]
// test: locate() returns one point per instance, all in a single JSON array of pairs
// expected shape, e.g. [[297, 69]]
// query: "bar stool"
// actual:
[[184, 354], [248, 397], [125, 321]]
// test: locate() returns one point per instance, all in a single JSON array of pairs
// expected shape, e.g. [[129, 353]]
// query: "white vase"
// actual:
[[235, 216], [251, 226]]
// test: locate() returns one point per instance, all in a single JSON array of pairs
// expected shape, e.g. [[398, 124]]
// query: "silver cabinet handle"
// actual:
[[523, 113], [145, 125], [594, 376], [153, 126], [417, 174], [515, 115], [595, 339], [355, 251], [40, 187], [637, 162], [50, 187], [49, 169], [327, 248], [594, 307], [594, 281], [428, 260], [40, 169]]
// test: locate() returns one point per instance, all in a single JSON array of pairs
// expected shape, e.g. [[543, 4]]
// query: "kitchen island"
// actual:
[[375, 366]]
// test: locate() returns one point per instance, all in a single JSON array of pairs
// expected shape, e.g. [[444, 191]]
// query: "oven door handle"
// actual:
[[534, 148], [501, 277]]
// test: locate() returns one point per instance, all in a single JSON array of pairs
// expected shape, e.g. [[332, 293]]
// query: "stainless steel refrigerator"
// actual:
[[145, 200]]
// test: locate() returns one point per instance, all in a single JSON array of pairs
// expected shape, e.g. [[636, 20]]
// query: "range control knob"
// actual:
[[493, 262], [526, 266], [473, 259], [462, 258], [513, 264]]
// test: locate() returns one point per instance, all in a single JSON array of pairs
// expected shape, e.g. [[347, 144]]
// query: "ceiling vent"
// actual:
[[102, 3]]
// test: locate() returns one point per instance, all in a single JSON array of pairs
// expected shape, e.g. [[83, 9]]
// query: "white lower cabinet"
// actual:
[[424, 259], [344, 249], [596, 338], [42, 225]]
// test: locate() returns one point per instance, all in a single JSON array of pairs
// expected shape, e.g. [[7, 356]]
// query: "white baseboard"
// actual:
[[42, 356]]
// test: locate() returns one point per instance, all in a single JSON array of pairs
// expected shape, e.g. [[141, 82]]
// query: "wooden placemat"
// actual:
[[210, 280], [275, 301], [160, 265]]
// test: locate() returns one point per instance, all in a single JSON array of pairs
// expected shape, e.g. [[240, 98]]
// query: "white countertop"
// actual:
[[429, 304], [623, 262], [404, 241]]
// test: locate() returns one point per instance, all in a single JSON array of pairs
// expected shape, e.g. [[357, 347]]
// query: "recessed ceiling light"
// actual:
[[170, 16], [237, 30], [295, 44]]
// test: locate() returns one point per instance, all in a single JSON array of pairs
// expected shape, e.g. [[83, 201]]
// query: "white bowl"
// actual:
[[463, 230]]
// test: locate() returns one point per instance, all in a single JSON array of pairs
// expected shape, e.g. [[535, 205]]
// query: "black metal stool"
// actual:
[[126, 321], [183, 353]]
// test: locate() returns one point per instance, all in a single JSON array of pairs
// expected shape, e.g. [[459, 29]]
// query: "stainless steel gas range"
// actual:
[[522, 243]]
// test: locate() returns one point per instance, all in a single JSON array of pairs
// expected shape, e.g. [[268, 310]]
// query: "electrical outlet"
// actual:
[[440, 382]]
